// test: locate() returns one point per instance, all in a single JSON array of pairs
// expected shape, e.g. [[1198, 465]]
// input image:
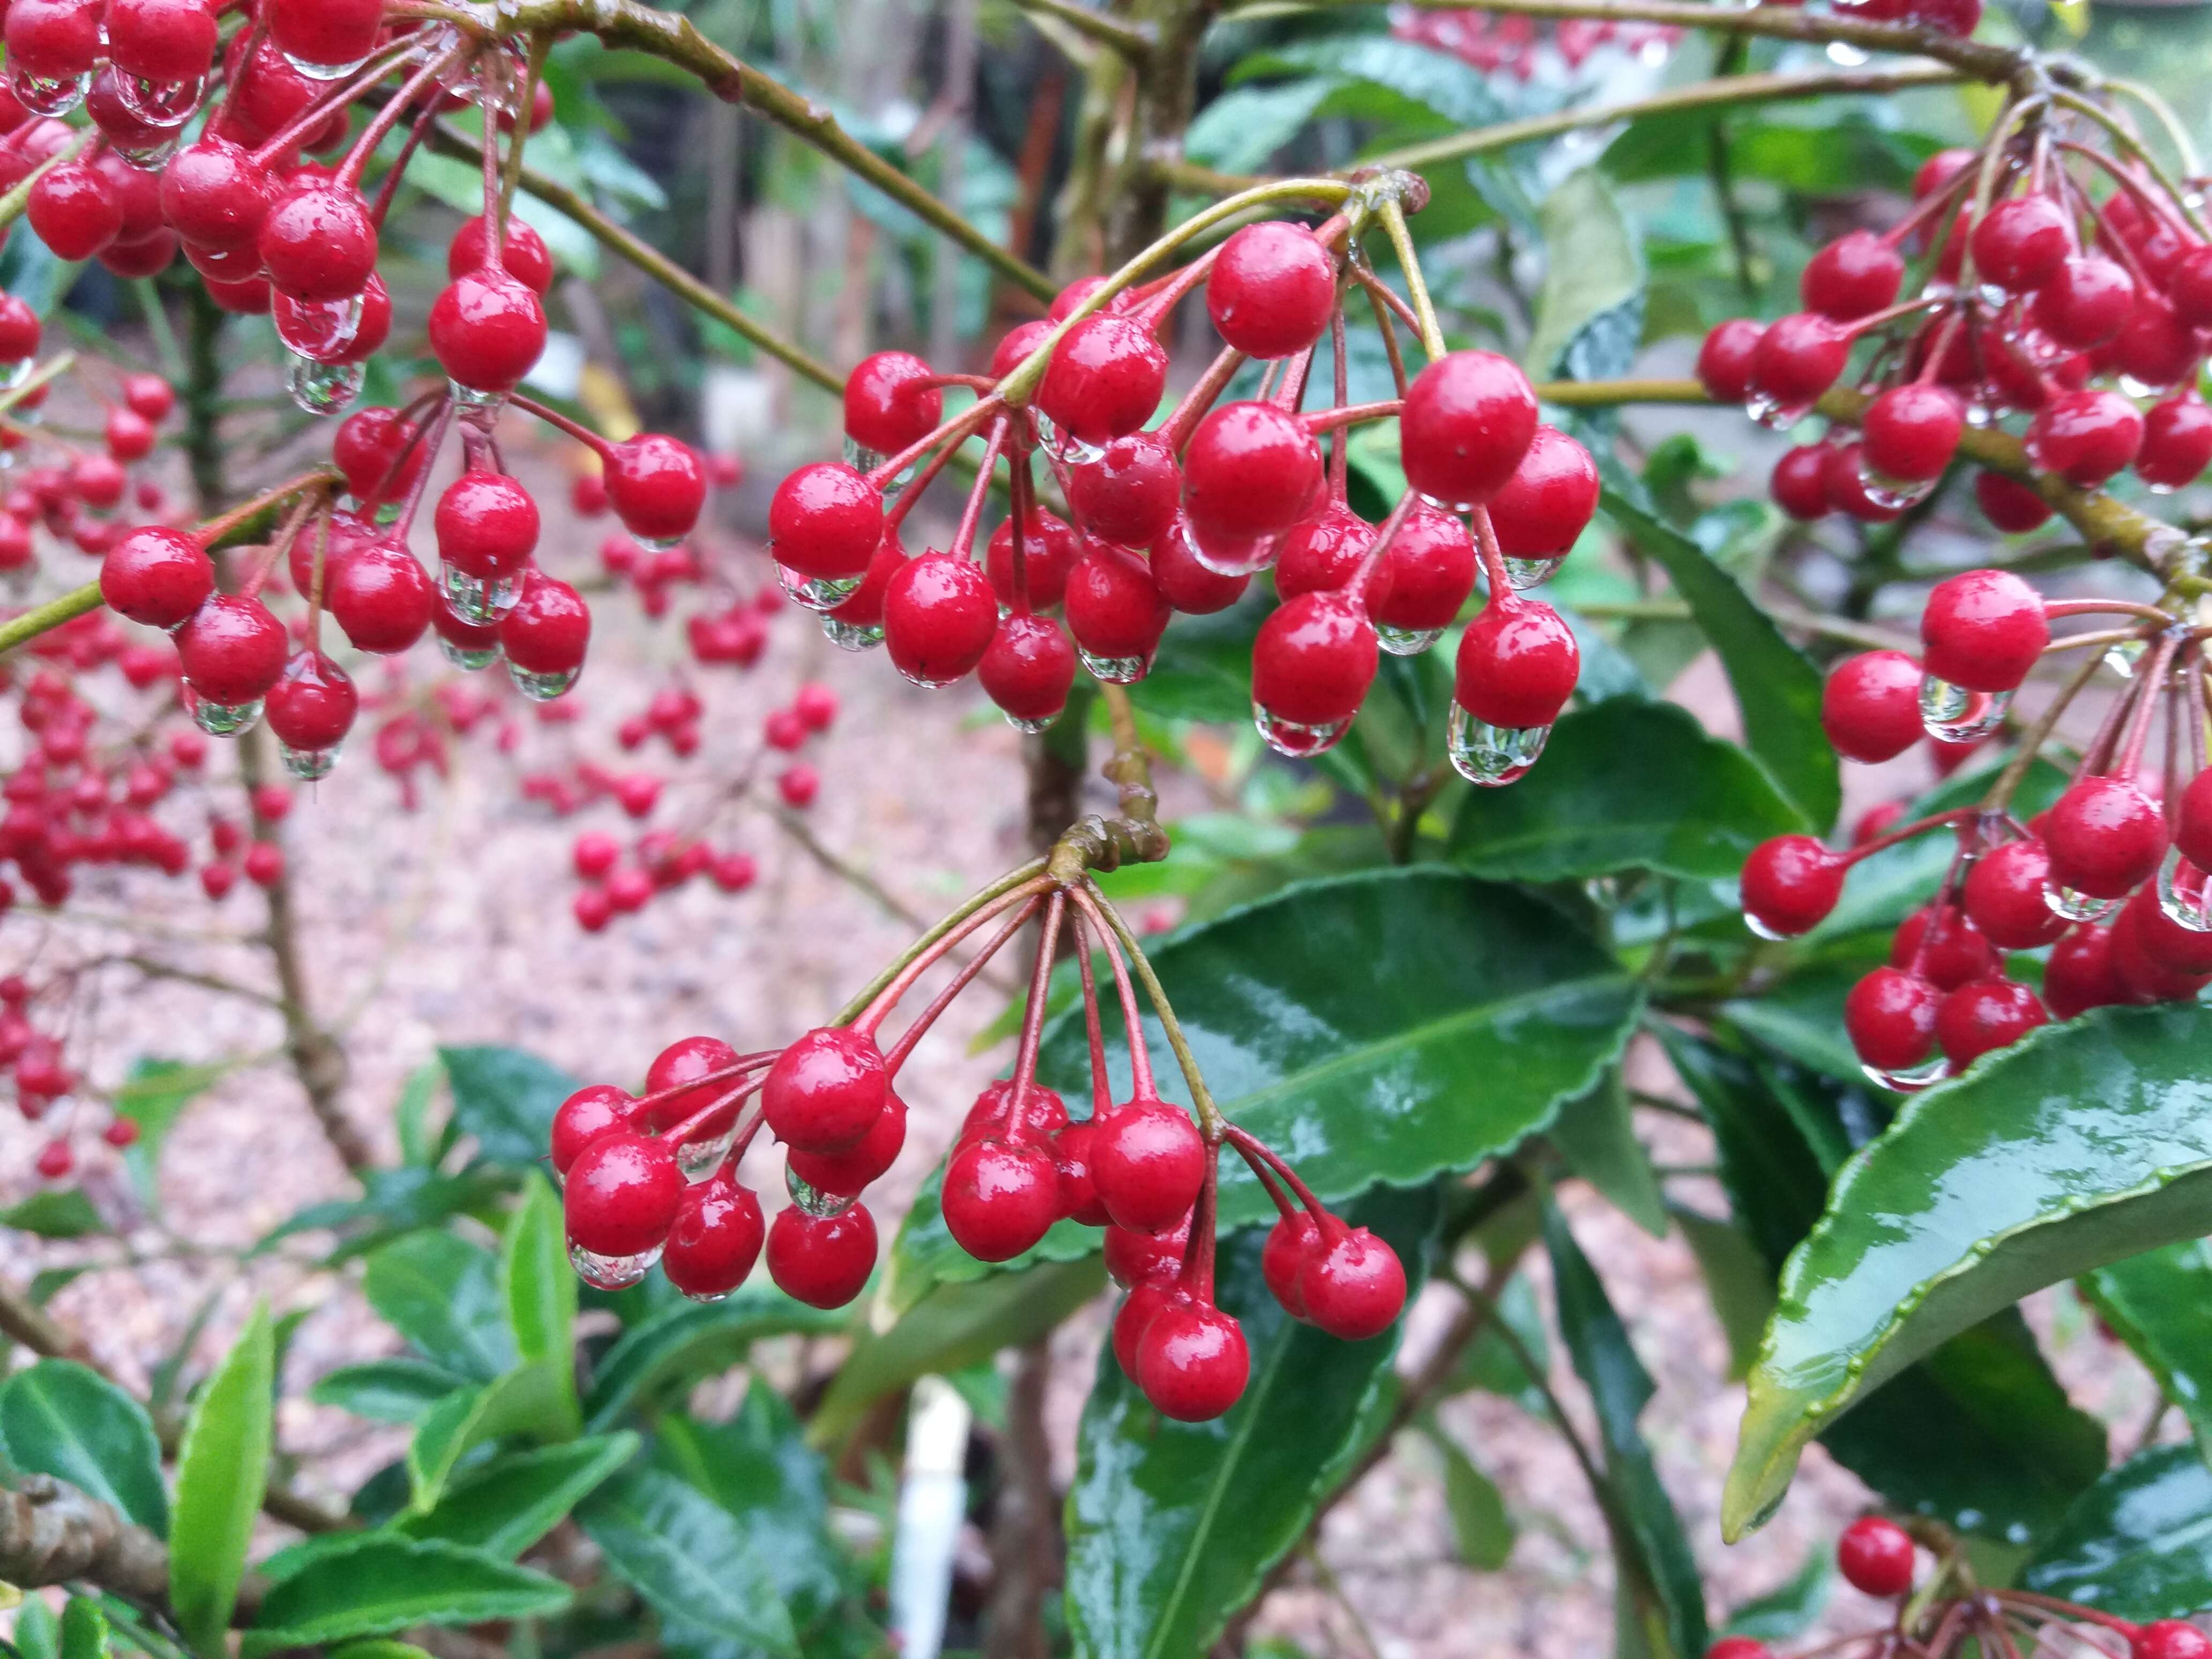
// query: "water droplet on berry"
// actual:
[[480, 600], [1116, 671], [463, 656], [324, 72], [2135, 388], [1910, 1080], [323, 389], [811, 1199], [698, 1158], [1293, 739], [1774, 414], [224, 719], [1064, 447], [817, 593], [1406, 642], [42, 95], [611, 1273], [1230, 558], [543, 688], [160, 103], [853, 636], [861, 459], [474, 404], [1521, 575], [150, 157], [317, 329], [1491, 756], [1895, 493], [1031, 728], [308, 763], [1952, 713], [2185, 893], [2077, 906], [1761, 930]]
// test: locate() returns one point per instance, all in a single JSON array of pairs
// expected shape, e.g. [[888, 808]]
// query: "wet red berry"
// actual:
[[825, 1091], [621, 1194], [823, 1261], [1790, 883]]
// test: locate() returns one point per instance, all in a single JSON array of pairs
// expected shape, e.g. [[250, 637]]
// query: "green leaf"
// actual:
[[38, 1631], [418, 1145], [84, 1633], [387, 1390], [1628, 785], [505, 1098], [1803, 1017], [760, 1469], [1786, 1610], [222, 1469], [1777, 687], [955, 1326], [393, 1202], [541, 1293], [62, 1418], [442, 1294], [1589, 311], [2155, 1304], [2138, 1543], [1172, 1526], [154, 1092], [1596, 1135], [51, 1214], [1238, 131], [2087, 1143], [1477, 1011], [1482, 1529], [687, 1556], [382, 1583], [1662, 1572], [1417, 81], [526, 1401], [1738, 1282], [1204, 668], [377, 1647], [512, 1502], [680, 1344]]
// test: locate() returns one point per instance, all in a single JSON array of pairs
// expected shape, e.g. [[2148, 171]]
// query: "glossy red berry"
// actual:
[[826, 520], [1870, 705], [596, 1109], [1079, 1188], [1000, 1198], [157, 576], [657, 485], [2176, 442], [714, 1239], [1790, 883], [1469, 418], [1739, 1647], [1353, 1287], [848, 1173], [488, 331], [2193, 827], [164, 41], [1890, 1016], [319, 245], [823, 1261], [2021, 243], [53, 39], [381, 597], [1193, 1362], [1105, 378], [1250, 469], [1799, 483], [2004, 895], [1910, 432], [1724, 361], [1135, 1317], [327, 33], [2169, 1638], [621, 1194], [2085, 436], [1322, 554], [2142, 967], [1946, 948], [1272, 289], [1128, 493], [1050, 547], [1149, 1162], [1191, 587], [2105, 837], [2154, 346], [1876, 1557], [1845, 479], [1983, 629], [74, 210], [1292, 1242], [523, 253], [1799, 357], [1548, 501], [487, 525], [2176, 951], [1518, 663], [313, 705], [19, 329], [887, 407], [549, 629], [1313, 660], [2011, 506], [2085, 302], [379, 451], [1984, 1015], [939, 616], [826, 1089], [679, 1064], [1852, 277], [1425, 575], [1115, 609], [1028, 668], [216, 195], [231, 650]]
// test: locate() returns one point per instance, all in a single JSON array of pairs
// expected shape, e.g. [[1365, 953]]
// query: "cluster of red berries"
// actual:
[[33, 1061], [1183, 516], [2080, 290], [653, 1177], [1876, 1557], [2111, 879], [1571, 50]]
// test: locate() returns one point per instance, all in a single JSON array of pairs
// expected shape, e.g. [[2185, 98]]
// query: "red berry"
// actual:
[[1984, 1015], [1018, 343], [381, 596], [1105, 378], [939, 616], [1128, 493], [1028, 668], [1149, 1162], [487, 525], [121, 1132], [825, 1091], [129, 435], [1114, 608], [2105, 837], [1193, 1362], [1945, 948], [2175, 949], [231, 650], [1876, 1556], [2004, 895], [2011, 506], [847, 1174], [1191, 587], [679, 1064], [2084, 303], [798, 785], [1799, 357], [714, 1239], [1135, 1317], [1983, 629], [75, 211], [1870, 705], [1323, 553], [1250, 470], [1724, 361], [1135, 1258], [596, 1109], [1043, 1112], [1549, 498], [823, 1261], [1469, 418], [1272, 289], [886, 407], [1313, 660], [327, 33], [549, 629], [157, 576], [1790, 883], [1799, 483], [1739, 1647], [488, 331], [1079, 1188], [1000, 1198], [2142, 962], [2085, 436], [264, 863], [216, 195], [826, 520], [55, 1160], [1912, 431], [164, 41], [1890, 1016], [319, 245], [1427, 573], [311, 707], [1518, 663], [53, 39], [2169, 1638], [621, 1194], [2177, 444], [1853, 276], [2021, 243], [20, 330], [657, 485], [1355, 1287], [2193, 827], [378, 452], [523, 253], [1050, 547], [1292, 1242], [2154, 346]]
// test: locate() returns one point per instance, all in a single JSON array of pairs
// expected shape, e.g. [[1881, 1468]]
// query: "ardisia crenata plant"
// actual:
[[1356, 510]]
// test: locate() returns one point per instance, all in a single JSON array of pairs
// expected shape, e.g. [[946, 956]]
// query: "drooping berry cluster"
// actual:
[[33, 1060], [1576, 50], [2112, 878], [1183, 516], [654, 1177]]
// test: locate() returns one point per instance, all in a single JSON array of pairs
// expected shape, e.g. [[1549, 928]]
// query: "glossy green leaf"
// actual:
[[1482, 1532], [152, 1095], [1204, 668], [1663, 1573], [84, 1632], [1411, 82], [505, 1098], [687, 1556], [508, 1505], [1172, 1526], [393, 1202], [1589, 309], [1777, 687], [2139, 1542], [222, 1468], [377, 1647], [541, 1293], [684, 1341], [1476, 1011], [1238, 131], [1627, 784], [37, 1631], [1596, 1135], [2086, 1143], [51, 1214], [382, 1582], [1787, 1609], [1803, 1017], [62, 1418], [758, 1466], [955, 1326], [442, 1293], [387, 1390], [418, 1142], [2156, 1302], [528, 1399]]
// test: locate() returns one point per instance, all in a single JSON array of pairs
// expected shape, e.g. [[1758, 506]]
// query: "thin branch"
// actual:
[[1133, 43]]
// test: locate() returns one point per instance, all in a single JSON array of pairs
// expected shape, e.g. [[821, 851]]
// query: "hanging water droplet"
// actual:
[[324, 389], [324, 72], [322, 329], [1406, 642], [1491, 756], [152, 156], [467, 657], [2185, 893], [853, 636], [927, 682], [1228, 558], [1952, 713], [164, 104], [1910, 1079], [1522, 575], [479, 600], [1031, 728], [477, 407], [611, 1273], [224, 719], [543, 688], [1065, 446], [2122, 656], [811, 1199], [1895, 494], [657, 543], [308, 764], [2077, 906], [44, 96], [816, 592], [699, 1158], [1116, 670], [1294, 740], [1761, 930]]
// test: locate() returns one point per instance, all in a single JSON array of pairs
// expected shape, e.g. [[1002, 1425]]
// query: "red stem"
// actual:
[[959, 982], [887, 998], [356, 159], [1141, 1061], [1101, 1087], [1025, 1057], [963, 538]]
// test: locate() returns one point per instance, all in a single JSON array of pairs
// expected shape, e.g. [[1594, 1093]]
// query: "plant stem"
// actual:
[[1393, 215], [1132, 41]]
